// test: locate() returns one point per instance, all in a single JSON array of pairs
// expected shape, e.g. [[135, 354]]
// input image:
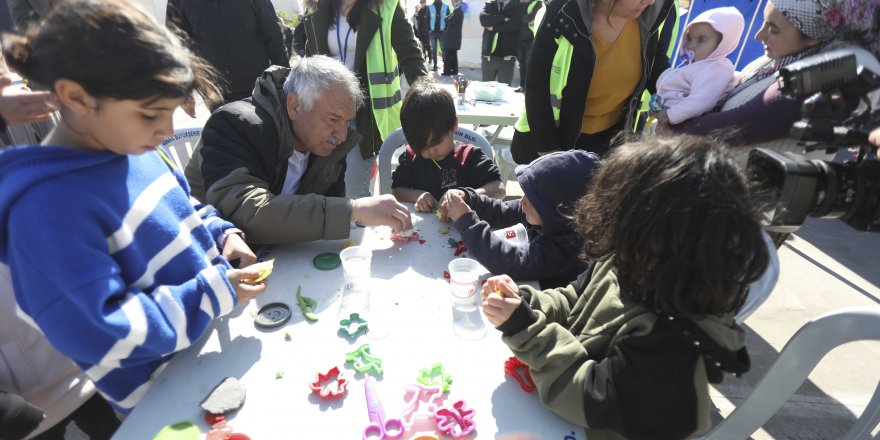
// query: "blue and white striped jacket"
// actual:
[[113, 260]]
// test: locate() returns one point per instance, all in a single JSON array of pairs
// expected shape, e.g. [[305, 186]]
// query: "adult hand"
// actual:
[[382, 210], [426, 202], [454, 204], [235, 247], [500, 299], [244, 291], [874, 137], [23, 106]]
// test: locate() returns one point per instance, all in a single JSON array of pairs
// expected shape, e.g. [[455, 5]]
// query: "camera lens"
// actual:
[[835, 188]]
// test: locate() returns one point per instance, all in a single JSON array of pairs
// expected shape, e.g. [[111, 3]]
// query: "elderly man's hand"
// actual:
[[382, 210], [21, 106]]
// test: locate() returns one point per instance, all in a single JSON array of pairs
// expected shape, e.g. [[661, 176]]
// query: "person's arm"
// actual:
[[270, 32], [405, 45], [708, 86], [661, 59], [489, 17], [482, 174], [537, 96], [234, 144], [299, 39], [528, 17], [766, 117], [494, 189], [512, 21]]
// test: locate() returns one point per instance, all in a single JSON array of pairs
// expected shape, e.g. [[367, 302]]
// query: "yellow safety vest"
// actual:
[[383, 74], [529, 10], [558, 79]]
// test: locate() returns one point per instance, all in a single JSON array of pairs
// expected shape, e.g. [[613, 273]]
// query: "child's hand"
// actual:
[[236, 248], [500, 299], [245, 292], [662, 118], [453, 205], [426, 202]]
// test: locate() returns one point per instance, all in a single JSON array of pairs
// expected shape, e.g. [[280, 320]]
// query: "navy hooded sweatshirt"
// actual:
[[552, 183]]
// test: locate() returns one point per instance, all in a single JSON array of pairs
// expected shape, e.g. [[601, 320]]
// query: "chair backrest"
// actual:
[[396, 139], [760, 290], [796, 360], [180, 146]]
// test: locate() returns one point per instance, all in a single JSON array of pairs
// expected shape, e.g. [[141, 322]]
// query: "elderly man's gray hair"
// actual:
[[310, 76]]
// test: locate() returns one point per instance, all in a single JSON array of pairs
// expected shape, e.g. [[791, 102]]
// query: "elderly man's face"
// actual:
[[325, 126]]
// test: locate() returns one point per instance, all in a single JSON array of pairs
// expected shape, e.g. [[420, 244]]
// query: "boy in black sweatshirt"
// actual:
[[551, 185]]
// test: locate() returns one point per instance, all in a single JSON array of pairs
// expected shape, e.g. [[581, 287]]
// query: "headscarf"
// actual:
[[854, 21], [808, 16]]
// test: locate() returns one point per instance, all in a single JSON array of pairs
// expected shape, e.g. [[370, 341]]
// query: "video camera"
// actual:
[[834, 85]]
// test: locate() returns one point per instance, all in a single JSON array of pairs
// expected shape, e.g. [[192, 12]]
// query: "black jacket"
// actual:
[[454, 23], [552, 184], [566, 19], [505, 23], [409, 55], [240, 38]]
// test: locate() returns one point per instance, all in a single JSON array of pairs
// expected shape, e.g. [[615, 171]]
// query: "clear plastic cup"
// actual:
[[463, 276], [515, 234], [356, 267]]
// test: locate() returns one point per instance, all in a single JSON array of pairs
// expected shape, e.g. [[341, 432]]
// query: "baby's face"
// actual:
[[702, 39]]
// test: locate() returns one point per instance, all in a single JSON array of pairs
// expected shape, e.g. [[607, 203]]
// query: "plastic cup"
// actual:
[[356, 267], [463, 276], [515, 234]]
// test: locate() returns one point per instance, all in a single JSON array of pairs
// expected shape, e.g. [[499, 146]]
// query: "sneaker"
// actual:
[[519, 90]]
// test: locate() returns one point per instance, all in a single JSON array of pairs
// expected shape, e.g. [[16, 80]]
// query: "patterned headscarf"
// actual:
[[847, 20], [808, 16]]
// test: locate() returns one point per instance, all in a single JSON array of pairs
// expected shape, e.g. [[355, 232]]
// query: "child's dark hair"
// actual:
[[114, 50], [675, 215], [427, 114]]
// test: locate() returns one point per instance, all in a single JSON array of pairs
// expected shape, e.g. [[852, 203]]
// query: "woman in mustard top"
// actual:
[[590, 62]]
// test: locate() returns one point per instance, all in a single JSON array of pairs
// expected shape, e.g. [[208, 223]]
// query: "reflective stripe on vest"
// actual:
[[383, 75], [494, 43], [558, 79], [529, 10]]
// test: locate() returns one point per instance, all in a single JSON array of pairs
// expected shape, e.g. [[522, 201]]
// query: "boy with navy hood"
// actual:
[[551, 185]]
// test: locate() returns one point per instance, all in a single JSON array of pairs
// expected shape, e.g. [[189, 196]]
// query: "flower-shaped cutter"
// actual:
[[331, 384], [435, 376], [456, 421], [362, 360], [513, 367], [420, 400], [352, 326]]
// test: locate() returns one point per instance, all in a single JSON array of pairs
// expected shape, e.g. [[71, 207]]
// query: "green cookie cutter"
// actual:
[[353, 325], [362, 360], [436, 376]]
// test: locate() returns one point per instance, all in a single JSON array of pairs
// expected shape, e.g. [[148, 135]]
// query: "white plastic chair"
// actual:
[[396, 139], [761, 289], [796, 360], [180, 146]]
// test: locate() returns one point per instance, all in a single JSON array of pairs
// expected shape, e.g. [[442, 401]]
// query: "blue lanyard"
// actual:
[[343, 54]]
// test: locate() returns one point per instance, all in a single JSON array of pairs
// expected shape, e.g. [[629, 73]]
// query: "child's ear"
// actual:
[[292, 105], [455, 125], [73, 96]]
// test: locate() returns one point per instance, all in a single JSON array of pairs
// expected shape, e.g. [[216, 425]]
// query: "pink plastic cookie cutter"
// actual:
[[420, 402], [456, 421]]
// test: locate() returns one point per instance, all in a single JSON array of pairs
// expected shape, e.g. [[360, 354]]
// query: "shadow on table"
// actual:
[[236, 355]]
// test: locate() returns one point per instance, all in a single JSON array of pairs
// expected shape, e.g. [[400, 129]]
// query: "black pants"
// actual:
[[450, 62], [600, 143], [525, 50], [498, 68], [96, 418]]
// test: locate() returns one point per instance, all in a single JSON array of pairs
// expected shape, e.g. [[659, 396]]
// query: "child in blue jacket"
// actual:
[[551, 185], [108, 253]]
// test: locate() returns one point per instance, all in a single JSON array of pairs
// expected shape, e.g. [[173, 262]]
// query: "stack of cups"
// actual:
[[356, 294]]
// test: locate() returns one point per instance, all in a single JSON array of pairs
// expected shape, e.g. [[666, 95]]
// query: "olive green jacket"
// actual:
[[317, 23]]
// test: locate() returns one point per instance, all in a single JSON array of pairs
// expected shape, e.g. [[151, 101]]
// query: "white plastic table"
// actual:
[[410, 297]]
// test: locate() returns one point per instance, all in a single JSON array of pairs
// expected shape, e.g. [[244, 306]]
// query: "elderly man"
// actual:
[[274, 163]]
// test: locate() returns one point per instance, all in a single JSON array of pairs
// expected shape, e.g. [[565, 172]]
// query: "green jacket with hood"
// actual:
[[403, 42], [240, 164], [617, 368]]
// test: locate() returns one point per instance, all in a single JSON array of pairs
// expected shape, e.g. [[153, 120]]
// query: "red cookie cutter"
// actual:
[[330, 385], [513, 366], [456, 421]]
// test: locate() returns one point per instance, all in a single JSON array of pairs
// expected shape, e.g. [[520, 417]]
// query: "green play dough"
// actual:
[[179, 431], [327, 261]]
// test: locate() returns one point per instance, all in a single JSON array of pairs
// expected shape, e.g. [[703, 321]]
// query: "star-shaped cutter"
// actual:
[[435, 376], [331, 384], [456, 421], [520, 372], [353, 326], [420, 399], [362, 360]]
